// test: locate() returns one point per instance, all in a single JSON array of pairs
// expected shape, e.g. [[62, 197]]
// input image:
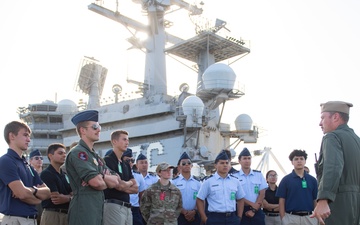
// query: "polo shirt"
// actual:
[[125, 174], [297, 198], [270, 197], [56, 182], [15, 168]]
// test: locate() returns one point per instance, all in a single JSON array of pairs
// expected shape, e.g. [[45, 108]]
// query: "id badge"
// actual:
[[162, 196], [256, 189], [195, 195], [303, 183], [232, 196]]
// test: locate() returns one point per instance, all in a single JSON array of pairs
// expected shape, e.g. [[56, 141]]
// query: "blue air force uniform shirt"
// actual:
[[252, 183], [134, 198], [150, 179], [189, 190], [221, 193]]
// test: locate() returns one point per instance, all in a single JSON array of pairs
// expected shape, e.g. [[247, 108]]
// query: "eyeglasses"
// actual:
[[273, 176], [186, 163], [95, 126], [130, 160], [38, 157]]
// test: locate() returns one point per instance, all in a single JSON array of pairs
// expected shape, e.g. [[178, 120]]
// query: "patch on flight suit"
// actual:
[[83, 156]]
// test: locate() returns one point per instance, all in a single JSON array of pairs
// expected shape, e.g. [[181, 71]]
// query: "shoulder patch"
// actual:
[[175, 177], [83, 156]]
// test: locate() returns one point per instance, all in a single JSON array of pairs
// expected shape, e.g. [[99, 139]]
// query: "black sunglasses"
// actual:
[[184, 163], [95, 126], [130, 160], [38, 157]]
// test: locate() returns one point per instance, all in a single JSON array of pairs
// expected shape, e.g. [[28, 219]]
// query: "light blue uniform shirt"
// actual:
[[221, 193], [134, 198], [252, 183], [150, 179], [189, 190]]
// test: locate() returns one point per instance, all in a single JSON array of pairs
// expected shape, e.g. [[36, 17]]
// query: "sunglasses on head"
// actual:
[[95, 126], [186, 163], [130, 160], [38, 157]]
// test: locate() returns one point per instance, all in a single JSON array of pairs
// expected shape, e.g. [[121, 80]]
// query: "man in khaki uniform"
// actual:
[[87, 172], [338, 169]]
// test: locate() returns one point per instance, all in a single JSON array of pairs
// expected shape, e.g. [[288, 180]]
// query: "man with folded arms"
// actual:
[[117, 207], [56, 208]]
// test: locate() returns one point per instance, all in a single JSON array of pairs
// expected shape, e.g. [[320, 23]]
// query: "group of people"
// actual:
[[82, 188]]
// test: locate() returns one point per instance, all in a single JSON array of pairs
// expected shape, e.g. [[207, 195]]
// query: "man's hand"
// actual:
[[58, 199], [321, 211]]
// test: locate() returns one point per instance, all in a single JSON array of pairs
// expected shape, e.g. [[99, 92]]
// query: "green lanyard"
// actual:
[[119, 167]]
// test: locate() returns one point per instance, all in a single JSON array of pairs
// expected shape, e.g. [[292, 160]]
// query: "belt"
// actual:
[[271, 214], [300, 213], [27, 217], [119, 202], [57, 210], [225, 214]]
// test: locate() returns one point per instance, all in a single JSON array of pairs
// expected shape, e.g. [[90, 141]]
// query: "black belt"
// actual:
[[57, 210], [27, 217], [119, 202], [271, 213], [300, 213], [225, 214]]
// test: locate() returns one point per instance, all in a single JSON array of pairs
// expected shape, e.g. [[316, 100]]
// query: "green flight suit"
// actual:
[[82, 164], [338, 173]]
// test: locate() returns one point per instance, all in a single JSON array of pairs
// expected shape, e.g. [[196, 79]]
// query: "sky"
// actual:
[[303, 53]]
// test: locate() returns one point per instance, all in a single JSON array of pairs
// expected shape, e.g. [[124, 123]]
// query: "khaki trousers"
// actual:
[[115, 214], [53, 218]]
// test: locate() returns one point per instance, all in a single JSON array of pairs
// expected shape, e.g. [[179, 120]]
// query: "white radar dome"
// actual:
[[243, 122], [193, 102], [219, 75], [67, 106]]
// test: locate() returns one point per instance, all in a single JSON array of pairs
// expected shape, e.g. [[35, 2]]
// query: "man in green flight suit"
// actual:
[[338, 169], [87, 173]]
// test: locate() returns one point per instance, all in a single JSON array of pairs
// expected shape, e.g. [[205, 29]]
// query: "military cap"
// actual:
[[184, 156], [128, 153], [244, 152], [141, 157], [108, 152], [87, 115], [35, 152], [336, 106], [163, 166], [221, 156]]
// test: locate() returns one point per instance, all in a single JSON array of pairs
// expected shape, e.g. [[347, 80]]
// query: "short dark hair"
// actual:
[[297, 152], [14, 127], [267, 174], [53, 147]]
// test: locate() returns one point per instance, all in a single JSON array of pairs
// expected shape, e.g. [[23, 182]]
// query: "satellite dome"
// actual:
[[193, 102], [219, 75], [67, 106], [243, 122]]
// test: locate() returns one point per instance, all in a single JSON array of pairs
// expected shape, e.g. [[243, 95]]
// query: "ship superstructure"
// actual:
[[162, 126]]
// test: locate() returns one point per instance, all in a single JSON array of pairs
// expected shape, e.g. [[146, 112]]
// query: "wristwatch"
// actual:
[[35, 190]]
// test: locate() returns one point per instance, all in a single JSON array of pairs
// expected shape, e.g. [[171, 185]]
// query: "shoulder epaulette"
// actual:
[[135, 171], [196, 178], [234, 176], [152, 174], [175, 177], [206, 177], [257, 171]]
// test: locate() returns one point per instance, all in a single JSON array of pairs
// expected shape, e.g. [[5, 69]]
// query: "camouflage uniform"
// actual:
[[161, 205]]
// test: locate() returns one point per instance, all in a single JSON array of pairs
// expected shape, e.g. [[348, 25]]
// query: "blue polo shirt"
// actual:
[[297, 197], [15, 168]]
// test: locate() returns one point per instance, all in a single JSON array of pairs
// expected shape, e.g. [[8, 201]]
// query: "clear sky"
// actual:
[[302, 53]]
